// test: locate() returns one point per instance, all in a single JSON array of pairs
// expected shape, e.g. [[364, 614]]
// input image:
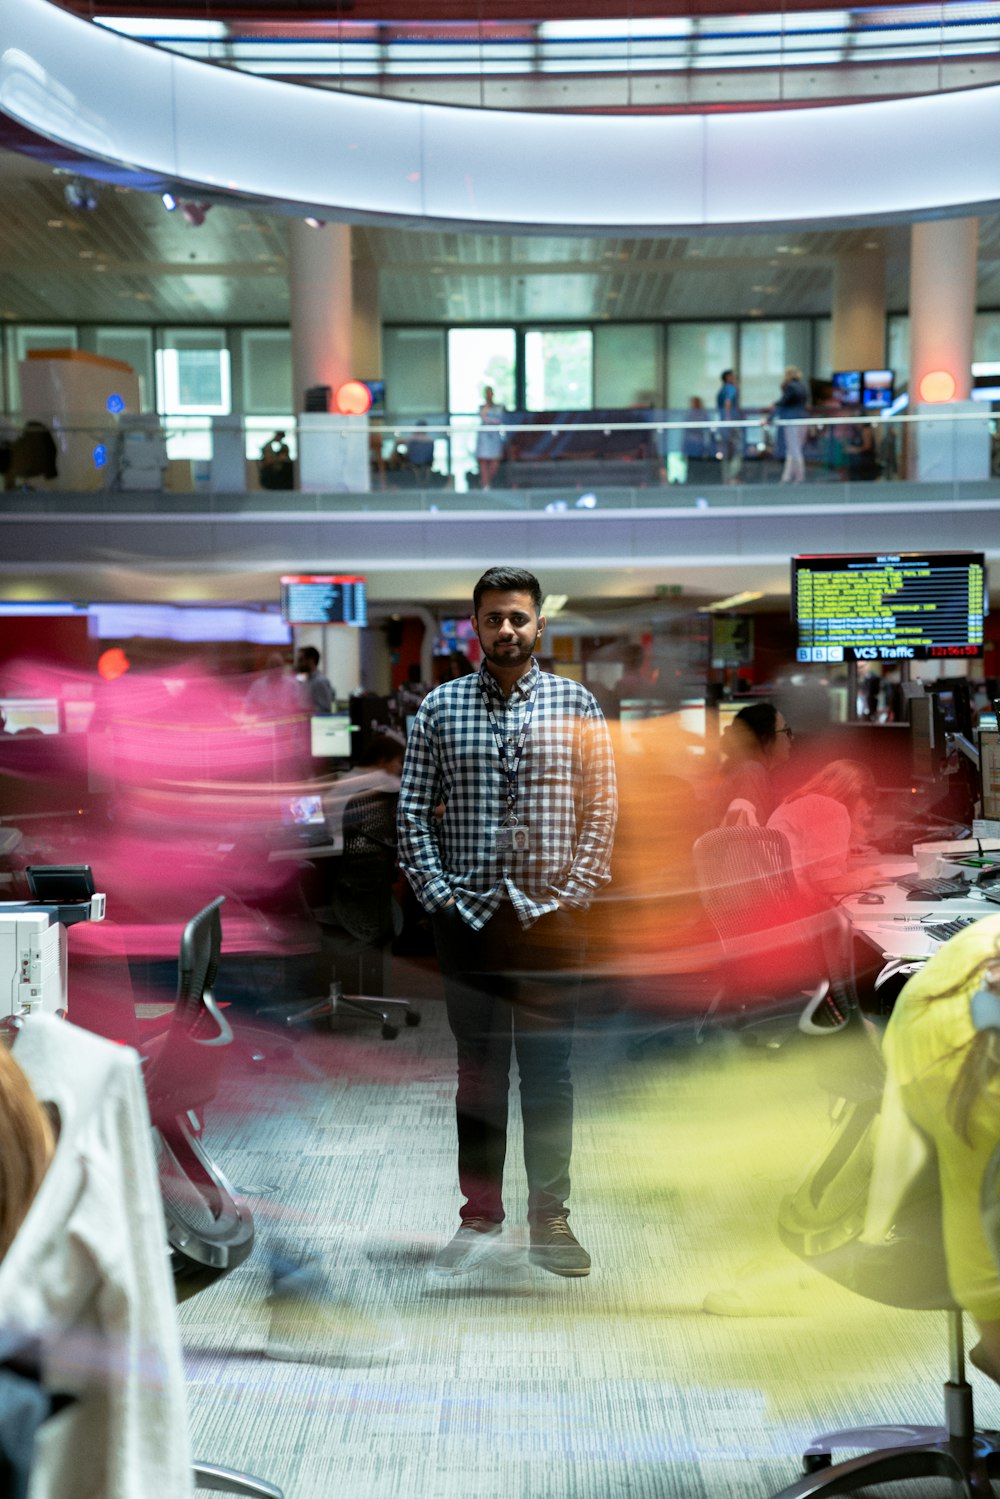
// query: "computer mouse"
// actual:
[[869, 898]]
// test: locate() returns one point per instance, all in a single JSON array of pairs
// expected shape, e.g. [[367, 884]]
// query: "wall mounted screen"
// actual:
[[317, 599], [899, 607]]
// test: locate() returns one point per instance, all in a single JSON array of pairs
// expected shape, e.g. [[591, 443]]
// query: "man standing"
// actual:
[[727, 403], [506, 820], [319, 693]]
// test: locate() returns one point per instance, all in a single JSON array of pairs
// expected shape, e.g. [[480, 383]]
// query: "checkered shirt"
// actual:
[[567, 797]]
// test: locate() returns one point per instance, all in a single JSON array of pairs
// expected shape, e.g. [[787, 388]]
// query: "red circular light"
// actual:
[[113, 663], [937, 386], [353, 398]]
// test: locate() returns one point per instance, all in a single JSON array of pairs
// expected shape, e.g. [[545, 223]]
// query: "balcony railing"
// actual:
[[659, 459], [667, 62]]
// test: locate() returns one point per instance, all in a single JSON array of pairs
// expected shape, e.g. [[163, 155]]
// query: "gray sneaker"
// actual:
[[477, 1241], [555, 1247]]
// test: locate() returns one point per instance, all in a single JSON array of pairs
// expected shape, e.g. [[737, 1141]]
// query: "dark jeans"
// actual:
[[502, 984]]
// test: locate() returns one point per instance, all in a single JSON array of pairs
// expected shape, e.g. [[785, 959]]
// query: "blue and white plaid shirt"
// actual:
[[567, 797]]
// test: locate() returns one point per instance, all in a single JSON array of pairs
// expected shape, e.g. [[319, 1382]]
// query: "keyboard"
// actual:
[[942, 930], [918, 888]]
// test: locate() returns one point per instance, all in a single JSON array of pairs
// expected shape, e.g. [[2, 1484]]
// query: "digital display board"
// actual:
[[905, 606], [317, 599]]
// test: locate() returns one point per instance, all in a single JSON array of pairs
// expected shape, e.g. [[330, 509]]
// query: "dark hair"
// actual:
[[725, 375], [507, 580], [310, 652], [762, 721], [380, 749]]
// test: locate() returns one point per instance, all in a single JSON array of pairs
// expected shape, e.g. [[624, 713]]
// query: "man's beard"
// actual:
[[513, 655]]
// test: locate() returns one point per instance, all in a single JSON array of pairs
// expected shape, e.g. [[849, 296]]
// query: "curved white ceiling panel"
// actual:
[[209, 131]]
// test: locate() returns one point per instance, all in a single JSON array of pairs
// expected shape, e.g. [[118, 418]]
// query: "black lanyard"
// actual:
[[510, 766]]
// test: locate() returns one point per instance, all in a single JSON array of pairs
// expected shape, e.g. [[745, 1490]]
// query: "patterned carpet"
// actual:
[[514, 1384]]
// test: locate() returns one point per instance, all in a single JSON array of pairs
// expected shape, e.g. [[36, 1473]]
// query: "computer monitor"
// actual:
[[305, 811], [846, 387], [928, 744], [34, 715], [989, 772], [954, 696], [330, 736], [876, 389]]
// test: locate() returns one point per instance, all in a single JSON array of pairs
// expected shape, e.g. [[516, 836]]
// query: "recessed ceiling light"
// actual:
[[57, 223]]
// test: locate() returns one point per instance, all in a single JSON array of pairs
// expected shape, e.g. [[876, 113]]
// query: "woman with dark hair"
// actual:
[[755, 745], [823, 820], [942, 1051]]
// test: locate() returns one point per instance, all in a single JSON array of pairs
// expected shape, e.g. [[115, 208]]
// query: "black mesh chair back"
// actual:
[[198, 964], [361, 898], [777, 941], [209, 1227]]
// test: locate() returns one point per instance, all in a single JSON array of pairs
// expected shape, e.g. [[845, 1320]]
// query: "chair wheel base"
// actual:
[[815, 1462], [390, 1032], [413, 1017]]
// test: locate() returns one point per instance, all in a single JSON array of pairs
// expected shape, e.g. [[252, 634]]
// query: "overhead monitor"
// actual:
[[323, 599], [907, 606]]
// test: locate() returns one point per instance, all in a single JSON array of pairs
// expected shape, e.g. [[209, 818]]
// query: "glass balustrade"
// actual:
[[574, 460]]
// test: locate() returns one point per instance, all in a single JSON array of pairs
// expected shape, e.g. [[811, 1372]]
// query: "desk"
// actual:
[[896, 928], [303, 852]]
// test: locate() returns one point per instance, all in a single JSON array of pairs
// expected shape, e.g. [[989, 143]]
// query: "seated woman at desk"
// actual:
[[942, 1052], [824, 821], [755, 745]]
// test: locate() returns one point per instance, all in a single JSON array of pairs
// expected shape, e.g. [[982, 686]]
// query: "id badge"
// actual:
[[516, 839]]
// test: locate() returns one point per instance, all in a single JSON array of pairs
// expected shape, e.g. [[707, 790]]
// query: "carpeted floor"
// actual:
[[514, 1384]]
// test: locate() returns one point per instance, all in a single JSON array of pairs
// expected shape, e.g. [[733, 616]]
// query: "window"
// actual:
[[559, 370]]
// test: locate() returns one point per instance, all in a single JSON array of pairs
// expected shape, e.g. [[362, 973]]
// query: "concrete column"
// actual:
[[319, 265], [858, 332], [943, 302], [367, 329]]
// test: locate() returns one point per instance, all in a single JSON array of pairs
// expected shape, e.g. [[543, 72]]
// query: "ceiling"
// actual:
[[129, 261]]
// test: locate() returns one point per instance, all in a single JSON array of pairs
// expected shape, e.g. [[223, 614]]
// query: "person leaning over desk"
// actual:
[[519, 764], [825, 820]]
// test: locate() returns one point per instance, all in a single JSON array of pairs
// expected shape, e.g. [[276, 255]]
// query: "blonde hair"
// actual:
[[792, 372], [27, 1144], [846, 781]]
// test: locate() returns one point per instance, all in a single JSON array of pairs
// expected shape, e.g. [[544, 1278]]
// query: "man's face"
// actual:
[[507, 627], [303, 663]]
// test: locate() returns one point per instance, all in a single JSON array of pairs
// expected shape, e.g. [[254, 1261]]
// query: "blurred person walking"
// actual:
[[319, 691], [506, 822], [792, 406], [727, 404], [489, 441]]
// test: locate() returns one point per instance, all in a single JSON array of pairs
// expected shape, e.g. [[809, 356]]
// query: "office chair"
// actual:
[[209, 1227], [785, 967], [904, 1267], [360, 921]]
